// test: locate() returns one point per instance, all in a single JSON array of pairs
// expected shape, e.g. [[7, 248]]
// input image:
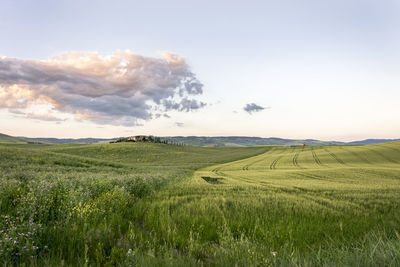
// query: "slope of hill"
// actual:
[[71, 140], [11, 139], [372, 141]]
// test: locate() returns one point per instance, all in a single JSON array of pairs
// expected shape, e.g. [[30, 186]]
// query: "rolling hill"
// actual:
[[71, 140], [11, 139], [150, 204], [243, 141], [372, 141], [212, 141]]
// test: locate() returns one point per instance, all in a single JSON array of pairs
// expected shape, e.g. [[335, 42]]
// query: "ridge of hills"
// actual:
[[232, 141]]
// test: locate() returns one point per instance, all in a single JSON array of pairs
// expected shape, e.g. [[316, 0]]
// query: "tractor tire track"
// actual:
[[272, 166], [310, 176], [333, 155], [295, 158], [216, 170], [246, 167], [316, 159]]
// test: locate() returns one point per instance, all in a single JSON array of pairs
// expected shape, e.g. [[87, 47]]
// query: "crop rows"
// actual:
[[163, 205]]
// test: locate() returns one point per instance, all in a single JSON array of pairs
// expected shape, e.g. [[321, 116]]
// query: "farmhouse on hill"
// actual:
[[140, 138], [146, 139]]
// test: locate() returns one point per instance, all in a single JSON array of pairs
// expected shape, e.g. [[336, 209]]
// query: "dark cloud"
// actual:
[[184, 105], [252, 107], [119, 89]]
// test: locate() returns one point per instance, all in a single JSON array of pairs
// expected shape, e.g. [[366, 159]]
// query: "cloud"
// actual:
[[179, 124], [119, 89], [252, 107], [43, 116]]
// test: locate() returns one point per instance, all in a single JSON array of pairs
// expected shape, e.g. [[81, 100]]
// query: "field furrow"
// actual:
[[187, 206], [316, 159], [333, 155]]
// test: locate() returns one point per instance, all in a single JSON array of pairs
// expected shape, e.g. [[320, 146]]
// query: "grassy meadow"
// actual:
[[143, 204]]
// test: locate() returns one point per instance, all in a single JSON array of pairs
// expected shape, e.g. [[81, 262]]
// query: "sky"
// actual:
[[325, 70]]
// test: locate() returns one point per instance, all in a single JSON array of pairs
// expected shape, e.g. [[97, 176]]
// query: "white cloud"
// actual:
[[120, 89]]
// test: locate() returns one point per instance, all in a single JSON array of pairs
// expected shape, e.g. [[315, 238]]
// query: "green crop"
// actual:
[[146, 204]]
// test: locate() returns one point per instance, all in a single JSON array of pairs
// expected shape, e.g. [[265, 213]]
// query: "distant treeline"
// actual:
[[148, 139]]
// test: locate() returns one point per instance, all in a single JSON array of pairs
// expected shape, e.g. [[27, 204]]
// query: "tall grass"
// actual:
[[150, 205], [59, 204]]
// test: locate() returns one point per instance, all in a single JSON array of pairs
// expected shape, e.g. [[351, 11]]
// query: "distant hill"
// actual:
[[259, 141], [200, 140], [372, 141], [71, 140], [11, 139], [243, 141]]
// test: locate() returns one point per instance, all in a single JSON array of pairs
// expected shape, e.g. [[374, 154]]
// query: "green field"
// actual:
[[138, 204]]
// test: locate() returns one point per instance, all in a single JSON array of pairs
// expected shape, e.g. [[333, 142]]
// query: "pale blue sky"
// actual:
[[326, 69]]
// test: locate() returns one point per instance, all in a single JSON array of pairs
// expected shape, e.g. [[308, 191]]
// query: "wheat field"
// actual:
[[164, 205]]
